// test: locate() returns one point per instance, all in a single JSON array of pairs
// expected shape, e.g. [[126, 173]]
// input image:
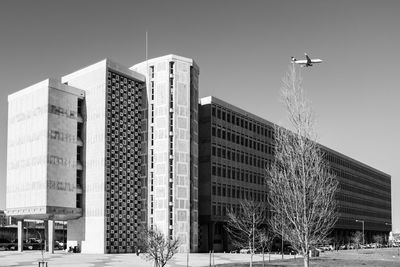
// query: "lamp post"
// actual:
[[361, 221]]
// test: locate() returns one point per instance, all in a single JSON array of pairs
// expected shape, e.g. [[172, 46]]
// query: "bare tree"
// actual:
[[356, 239], [378, 239], [243, 225], [265, 239], [157, 247], [301, 189]]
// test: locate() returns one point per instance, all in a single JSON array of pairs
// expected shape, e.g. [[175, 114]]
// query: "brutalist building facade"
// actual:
[[110, 149], [234, 148]]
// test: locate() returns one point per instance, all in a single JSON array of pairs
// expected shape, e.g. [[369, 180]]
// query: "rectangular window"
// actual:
[[152, 71], [79, 177], [79, 200]]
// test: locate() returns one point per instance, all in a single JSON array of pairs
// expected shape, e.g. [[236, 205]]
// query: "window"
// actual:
[[79, 153], [152, 71], [80, 106], [79, 200], [79, 178]]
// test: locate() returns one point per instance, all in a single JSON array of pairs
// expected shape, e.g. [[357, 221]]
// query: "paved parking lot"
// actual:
[[63, 259]]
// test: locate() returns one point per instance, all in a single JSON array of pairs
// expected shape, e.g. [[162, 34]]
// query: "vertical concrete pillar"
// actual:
[[20, 235], [211, 228], [46, 235], [50, 235]]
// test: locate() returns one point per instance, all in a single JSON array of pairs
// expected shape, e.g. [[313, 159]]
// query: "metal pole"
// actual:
[[64, 238], [362, 222], [363, 232]]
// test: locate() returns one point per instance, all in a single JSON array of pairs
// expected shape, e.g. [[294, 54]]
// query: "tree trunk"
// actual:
[[306, 259], [251, 255], [263, 259], [269, 256]]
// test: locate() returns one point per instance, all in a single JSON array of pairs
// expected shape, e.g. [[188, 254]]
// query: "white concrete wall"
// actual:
[[61, 172], [27, 150], [92, 81], [181, 150]]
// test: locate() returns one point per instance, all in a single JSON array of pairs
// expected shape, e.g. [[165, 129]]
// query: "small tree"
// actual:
[[378, 239], [243, 225], [265, 239], [356, 239], [301, 189], [41, 245], [157, 247]]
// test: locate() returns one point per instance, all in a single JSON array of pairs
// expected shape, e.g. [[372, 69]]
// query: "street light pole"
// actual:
[[361, 221]]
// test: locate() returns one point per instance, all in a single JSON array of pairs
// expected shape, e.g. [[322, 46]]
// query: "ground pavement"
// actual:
[[63, 259]]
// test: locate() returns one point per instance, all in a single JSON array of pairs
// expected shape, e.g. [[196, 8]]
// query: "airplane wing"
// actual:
[[316, 60], [308, 59]]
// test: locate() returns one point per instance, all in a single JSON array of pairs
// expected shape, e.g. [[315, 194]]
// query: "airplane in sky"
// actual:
[[308, 62]]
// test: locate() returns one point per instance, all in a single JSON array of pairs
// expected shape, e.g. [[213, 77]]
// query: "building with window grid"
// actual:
[[112, 157], [234, 147], [110, 149], [44, 155], [172, 204]]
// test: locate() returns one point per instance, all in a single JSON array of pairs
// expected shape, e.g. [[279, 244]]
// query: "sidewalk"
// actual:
[[63, 259]]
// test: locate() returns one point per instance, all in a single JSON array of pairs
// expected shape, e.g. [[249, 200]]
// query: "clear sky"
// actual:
[[243, 49]]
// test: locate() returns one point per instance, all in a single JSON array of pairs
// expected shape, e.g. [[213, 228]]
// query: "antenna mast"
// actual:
[[147, 61]]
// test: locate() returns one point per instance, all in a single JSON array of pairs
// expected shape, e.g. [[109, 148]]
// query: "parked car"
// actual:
[[12, 247]]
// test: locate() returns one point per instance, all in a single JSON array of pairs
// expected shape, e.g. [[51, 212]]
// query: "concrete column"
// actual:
[[46, 235], [50, 235], [211, 227], [20, 235]]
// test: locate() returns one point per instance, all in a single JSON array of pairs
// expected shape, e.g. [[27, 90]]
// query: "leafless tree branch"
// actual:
[[301, 188]]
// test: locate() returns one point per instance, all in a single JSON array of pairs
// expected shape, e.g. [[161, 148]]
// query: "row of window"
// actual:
[[241, 121], [362, 191], [233, 191], [346, 163], [241, 139], [360, 212], [237, 174], [222, 209], [171, 149], [239, 156], [362, 201], [360, 179]]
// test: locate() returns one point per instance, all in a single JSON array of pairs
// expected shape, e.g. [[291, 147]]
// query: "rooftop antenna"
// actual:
[[147, 61]]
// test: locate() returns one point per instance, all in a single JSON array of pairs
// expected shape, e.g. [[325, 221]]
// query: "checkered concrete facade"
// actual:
[[112, 175]]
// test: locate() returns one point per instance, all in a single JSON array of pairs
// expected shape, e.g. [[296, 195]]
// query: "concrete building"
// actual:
[[235, 145], [110, 149], [43, 155], [172, 202], [115, 100], [3, 218], [75, 155]]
